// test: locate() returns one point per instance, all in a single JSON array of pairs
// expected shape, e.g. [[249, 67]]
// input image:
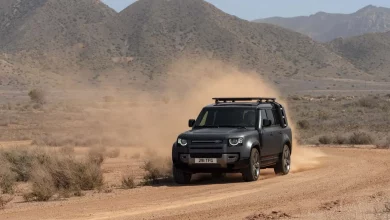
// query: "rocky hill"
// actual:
[[48, 41], [326, 26], [369, 52], [161, 31]]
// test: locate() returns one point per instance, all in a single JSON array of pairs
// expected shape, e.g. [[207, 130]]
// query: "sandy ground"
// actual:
[[349, 183]]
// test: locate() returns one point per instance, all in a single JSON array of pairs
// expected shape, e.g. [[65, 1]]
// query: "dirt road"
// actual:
[[348, 184]]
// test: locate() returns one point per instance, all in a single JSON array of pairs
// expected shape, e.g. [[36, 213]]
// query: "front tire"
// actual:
[[252, 172], [284, 164], [180, 176]]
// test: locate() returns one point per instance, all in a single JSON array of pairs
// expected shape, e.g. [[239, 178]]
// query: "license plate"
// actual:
[[205, 160]]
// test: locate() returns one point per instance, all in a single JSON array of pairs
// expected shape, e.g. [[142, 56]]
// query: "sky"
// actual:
[[254, 9]]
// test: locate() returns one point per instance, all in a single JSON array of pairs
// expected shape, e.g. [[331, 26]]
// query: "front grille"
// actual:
[[206, 148], [196, 142], [205, 155]]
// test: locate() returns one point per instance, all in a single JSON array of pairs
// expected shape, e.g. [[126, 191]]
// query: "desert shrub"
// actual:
[[4, 200], [303, 124], [323, 115], [52, 173], [136, 156], [157, 169], [340, 140], [360, 138], [113, 153], [67, 150], [367, 102], [38, 96], [7, 179], [295, 97], [97, 155], [128, 182], [385, 144], [21, 161], [325, 140], [43, 187], [88, 175]]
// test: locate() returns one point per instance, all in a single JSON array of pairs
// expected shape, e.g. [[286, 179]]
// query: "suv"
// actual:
[[234, 135]]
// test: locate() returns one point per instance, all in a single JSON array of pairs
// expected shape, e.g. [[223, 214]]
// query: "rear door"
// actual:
[[275, 128], [266, 136]]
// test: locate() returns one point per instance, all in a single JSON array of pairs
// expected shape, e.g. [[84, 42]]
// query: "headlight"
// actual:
[[182, 142], [235, 141]]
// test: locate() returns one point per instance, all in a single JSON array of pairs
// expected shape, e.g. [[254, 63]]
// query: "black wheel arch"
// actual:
[[256, 146]]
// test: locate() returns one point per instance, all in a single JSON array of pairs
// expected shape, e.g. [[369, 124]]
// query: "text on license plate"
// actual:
[[205, 160]]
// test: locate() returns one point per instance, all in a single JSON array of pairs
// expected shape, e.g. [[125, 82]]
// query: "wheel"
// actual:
[[180, 176], [284, 164], [218, 175], [252, 172]]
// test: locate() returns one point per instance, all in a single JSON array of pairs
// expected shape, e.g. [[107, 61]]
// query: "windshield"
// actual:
[[226, 117]]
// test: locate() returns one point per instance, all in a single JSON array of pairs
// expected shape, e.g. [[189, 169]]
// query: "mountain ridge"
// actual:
[[325, 27], [84, 41]]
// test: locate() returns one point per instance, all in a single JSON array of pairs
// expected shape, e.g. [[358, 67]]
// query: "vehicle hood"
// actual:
[[208, 133]]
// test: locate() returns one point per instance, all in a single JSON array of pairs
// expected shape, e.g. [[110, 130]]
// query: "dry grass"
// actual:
[[113, 153], [325, 140], [356, 138], [51, 173], [303, 124], [337, 117], [385, 144], [361, 138], [4, 200], [128, 182], [157, 170], [97, 155]]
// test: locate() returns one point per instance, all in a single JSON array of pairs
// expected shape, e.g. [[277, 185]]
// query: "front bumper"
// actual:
[[222, 161], [227, 163]]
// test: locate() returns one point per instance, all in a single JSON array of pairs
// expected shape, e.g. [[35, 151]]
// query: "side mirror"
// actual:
[[266, 122], [191, 123]]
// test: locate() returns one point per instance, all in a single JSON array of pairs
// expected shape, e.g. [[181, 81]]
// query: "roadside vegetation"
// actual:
[[51, 175], [341, 120]]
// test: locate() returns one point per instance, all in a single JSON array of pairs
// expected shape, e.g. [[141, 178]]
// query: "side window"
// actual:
[[276, 116], [270, 116]]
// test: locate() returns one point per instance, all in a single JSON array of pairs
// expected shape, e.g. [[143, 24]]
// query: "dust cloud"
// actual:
[[190, 86], [152, 119]]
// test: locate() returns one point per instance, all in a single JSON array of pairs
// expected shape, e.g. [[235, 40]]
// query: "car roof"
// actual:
[[241, 105]]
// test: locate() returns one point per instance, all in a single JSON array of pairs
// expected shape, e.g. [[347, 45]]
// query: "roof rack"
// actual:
[[258, 99]]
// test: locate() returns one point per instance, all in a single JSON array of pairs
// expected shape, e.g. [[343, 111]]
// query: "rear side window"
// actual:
[[276, 116], [270, 116], [263, 115]]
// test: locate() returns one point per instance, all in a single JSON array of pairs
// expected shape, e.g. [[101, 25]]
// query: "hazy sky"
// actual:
[[253, 9]]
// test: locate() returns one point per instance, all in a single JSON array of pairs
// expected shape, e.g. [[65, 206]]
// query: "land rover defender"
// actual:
[[234, 135]]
